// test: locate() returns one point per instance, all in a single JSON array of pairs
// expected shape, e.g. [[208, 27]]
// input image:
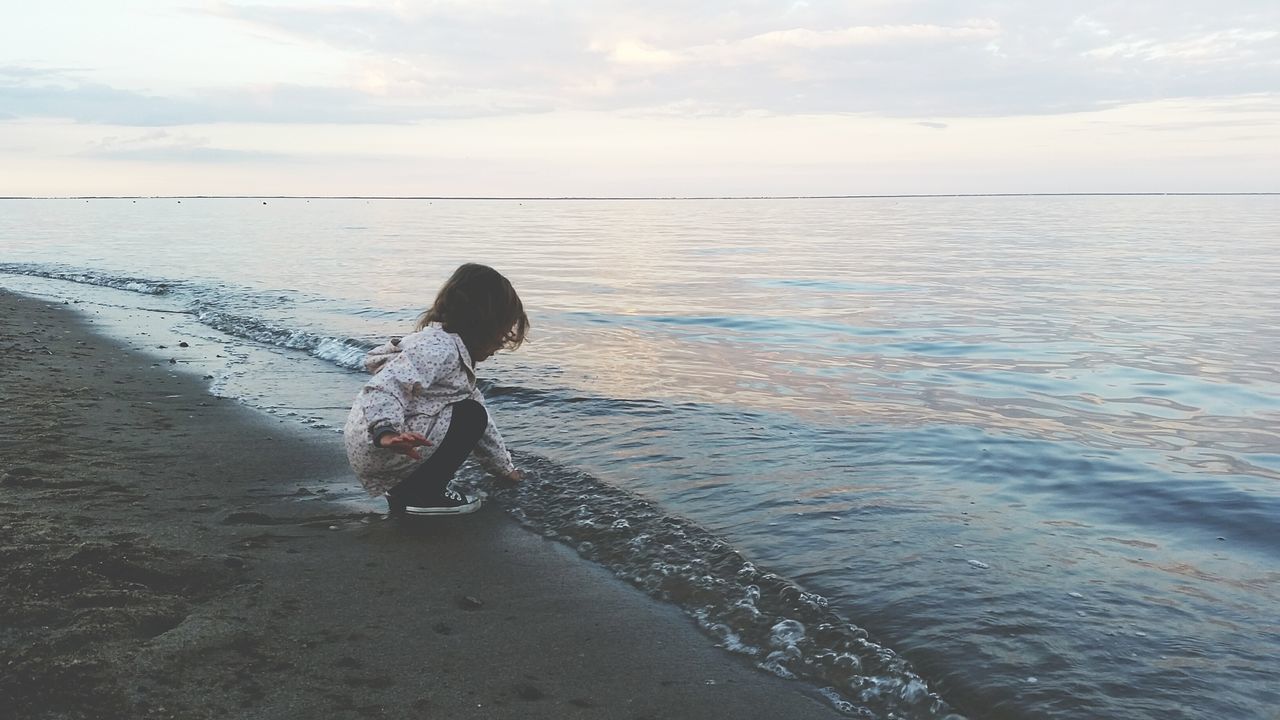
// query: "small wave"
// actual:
[[144, 286], [748, 610], [836, 286], [204, 304], [344, 352], [755, 325], [561, 396]]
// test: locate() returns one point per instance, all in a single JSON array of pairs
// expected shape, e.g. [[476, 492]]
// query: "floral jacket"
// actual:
[[415, 380]]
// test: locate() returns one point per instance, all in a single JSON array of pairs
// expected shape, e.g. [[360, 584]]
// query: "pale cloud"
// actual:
[[38, 94], [638, 52], [414, 61], [666, 96], [864, 35], [59, 94], [607, 154], [1234, 45], [925, 57], [165, 147], [776, 44]]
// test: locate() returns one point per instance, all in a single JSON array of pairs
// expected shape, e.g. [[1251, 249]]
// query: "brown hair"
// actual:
[[480, 305]]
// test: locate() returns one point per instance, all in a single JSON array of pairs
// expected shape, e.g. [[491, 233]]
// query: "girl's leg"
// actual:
[[427, 483]]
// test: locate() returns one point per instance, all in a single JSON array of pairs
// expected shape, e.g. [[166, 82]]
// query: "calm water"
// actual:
[[1032, 445]]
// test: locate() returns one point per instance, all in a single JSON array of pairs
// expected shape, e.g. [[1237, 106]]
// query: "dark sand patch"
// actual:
[[159, 562]]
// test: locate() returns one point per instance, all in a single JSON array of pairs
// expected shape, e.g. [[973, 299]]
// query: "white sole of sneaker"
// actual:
[[459, 510]]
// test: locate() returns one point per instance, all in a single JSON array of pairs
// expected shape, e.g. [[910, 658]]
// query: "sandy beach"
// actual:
[[165, 553]]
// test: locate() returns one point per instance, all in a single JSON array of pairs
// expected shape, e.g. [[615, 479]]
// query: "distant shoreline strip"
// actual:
[[634, 197]]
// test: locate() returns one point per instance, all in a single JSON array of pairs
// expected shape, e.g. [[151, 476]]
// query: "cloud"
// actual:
[[19, 71], [925, 57], [777, 44], [933, 125], [1234, 45], [51, 93], [637, 52], [862, 35], [162, 146], [410, 61], [40, 93]]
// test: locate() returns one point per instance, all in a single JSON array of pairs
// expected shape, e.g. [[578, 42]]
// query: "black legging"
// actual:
[[428, 481]]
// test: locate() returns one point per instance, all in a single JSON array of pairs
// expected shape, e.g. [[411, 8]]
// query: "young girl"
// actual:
[[423, 395]]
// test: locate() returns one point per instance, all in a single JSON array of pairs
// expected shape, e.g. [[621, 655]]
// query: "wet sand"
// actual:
[[168, 554]]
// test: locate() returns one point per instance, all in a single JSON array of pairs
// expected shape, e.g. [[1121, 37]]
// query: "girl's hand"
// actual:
[[514, 476], [404, 443]]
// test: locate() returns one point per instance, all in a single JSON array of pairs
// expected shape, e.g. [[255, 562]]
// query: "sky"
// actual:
[[660, 98]]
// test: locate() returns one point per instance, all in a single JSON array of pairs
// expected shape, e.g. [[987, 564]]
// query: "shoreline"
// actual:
[[588, 198], [170, 554]]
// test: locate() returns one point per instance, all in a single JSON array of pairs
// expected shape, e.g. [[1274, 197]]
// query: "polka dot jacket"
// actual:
[[415, 380]]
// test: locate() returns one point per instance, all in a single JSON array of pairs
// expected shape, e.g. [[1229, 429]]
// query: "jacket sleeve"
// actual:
[[385, 397], [491, 452]]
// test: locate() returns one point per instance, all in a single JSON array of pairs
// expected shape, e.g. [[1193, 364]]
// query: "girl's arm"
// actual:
[[385, 397], [491, 452]]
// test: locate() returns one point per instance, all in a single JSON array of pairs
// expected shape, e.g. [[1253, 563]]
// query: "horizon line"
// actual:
[[633, 197]]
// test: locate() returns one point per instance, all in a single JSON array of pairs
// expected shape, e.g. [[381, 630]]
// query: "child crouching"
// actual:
[[412, 425]]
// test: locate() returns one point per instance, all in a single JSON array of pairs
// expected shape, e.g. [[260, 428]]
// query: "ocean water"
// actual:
[[995, 457]]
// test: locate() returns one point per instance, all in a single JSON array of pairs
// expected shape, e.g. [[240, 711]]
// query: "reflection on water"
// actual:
[[1032, 443]]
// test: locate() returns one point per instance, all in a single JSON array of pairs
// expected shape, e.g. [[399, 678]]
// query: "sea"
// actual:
[[939, 457]]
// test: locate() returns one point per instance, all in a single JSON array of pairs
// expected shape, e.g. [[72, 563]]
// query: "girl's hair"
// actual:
[[480, 305]]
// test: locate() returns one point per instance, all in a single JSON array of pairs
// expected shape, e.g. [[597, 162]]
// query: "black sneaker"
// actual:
[[450, 503]]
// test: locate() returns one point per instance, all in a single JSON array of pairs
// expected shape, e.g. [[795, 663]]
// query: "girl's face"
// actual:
[[488, 351]]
